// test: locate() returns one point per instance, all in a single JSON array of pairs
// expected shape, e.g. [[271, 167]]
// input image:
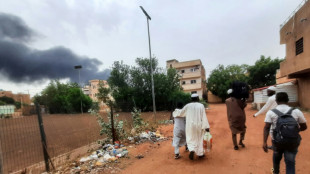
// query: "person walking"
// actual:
[[283, 124], [196, 125], [236, 118], [271, 102], [179, 138]]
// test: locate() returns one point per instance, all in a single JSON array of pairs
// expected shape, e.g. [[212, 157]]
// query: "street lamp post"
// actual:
[[152, 80], [79, 67]]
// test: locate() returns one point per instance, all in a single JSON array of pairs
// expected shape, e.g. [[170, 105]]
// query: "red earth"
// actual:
[[159, 157]]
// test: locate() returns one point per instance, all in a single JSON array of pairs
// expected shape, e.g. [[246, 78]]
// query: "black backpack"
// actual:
[[286, 134]]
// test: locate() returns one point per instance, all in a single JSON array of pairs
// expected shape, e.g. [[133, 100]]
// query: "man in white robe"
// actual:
[[196, 125], [271, 102]]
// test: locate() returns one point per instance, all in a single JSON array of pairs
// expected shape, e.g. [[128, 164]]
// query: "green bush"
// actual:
[[205, 104]]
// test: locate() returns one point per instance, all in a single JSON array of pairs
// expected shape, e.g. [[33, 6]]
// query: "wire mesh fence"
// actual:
[[22, 146], [21, 142]]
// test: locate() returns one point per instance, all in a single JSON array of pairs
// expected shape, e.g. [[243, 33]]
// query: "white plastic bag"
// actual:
[[207, 141]]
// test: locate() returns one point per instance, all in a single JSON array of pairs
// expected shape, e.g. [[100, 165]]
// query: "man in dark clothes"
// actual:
[[236, 118]]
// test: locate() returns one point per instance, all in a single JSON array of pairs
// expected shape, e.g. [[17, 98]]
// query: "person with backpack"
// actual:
[[283, 124]]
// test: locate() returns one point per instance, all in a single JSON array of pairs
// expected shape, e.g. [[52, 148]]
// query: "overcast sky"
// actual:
[[103, 31]]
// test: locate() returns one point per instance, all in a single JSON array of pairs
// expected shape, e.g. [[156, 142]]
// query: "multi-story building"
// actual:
[[295, 34], [92, 88], [193, 76], [23, 98]]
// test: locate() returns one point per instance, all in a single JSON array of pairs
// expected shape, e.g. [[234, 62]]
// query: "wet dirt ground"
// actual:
[[159, 157]]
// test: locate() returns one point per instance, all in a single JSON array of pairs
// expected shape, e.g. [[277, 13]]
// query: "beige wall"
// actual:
[[281, 79], [213, 98], [298, 66], [292, 31], [304, 92]]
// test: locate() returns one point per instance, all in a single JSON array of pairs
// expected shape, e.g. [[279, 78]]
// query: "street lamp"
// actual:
[[148, 29], [79, 67]]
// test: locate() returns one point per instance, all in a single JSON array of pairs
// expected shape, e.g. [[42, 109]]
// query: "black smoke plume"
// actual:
[[20, 63]]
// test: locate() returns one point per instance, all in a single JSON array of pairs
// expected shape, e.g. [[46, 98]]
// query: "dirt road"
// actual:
[[159, 158]]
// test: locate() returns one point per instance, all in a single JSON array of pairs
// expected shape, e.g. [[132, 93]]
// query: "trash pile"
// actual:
[[99, 159], [146, 136], [104, 158]]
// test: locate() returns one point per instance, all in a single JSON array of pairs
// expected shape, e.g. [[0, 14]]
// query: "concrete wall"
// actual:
[[297, 27], [213, 98], [298, 66], [304, 92]]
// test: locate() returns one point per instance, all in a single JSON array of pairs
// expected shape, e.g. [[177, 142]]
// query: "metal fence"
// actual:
[[39, 140]]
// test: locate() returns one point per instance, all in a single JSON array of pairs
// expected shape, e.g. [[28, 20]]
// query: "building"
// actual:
[[92, 88], [193, 76], [23, 98], [290, 87], [295, 34]]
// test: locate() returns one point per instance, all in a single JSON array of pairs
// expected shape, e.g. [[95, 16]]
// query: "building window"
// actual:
[[194, 92], [170, 65], [193, 81], [300, 46], [193, 70], [183, 82], [182, 71]]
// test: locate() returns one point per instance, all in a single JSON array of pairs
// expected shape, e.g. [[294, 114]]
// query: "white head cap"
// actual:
[[272, 88], [229, 91], [194, 95]]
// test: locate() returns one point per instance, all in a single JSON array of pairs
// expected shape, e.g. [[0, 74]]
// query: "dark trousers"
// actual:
[[289, 158], [234, 138]]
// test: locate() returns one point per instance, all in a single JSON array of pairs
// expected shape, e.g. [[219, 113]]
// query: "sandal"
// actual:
[[186, 148], [176, 156], [191, 155]]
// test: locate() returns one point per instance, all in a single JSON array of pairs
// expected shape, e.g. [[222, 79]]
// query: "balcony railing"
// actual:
[[293, 13]]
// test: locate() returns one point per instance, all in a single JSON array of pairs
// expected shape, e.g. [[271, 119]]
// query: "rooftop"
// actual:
[[293, 13], [187, 63]]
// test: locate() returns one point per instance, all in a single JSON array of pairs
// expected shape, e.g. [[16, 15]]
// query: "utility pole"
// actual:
[[78, 67], [151, 62]]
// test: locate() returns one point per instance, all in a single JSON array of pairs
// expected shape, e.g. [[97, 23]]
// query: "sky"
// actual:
[[42, 40]]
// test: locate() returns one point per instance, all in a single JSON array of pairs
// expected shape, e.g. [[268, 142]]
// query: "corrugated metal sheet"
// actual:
[[260, 96], [7, 109]]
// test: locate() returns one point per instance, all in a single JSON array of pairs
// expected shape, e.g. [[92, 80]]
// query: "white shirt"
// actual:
[[270, 104], [272, 118]]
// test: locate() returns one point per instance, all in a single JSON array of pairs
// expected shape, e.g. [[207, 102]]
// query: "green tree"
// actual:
[[263, 73], [114, 128], [63, 98], [120, 81], [221, 78], [7, 100], [132, 85]]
